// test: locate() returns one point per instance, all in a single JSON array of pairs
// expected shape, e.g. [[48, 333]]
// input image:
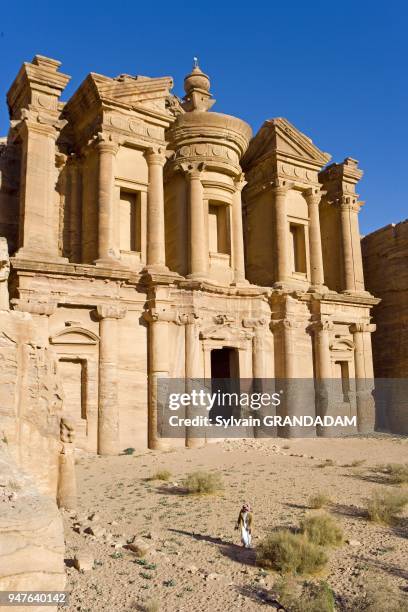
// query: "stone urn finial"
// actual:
[[197, 88]]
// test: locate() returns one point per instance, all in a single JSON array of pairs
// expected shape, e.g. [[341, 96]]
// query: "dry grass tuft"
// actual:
[[309, 598], [385, 506], [203, 483], [396, 473], [151, 606], [161, 475], [290, 553], [318, 500], [326, 463], [380, 595], [322, 529]]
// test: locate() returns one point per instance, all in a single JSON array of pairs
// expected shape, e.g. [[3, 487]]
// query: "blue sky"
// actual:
[[336, 70]]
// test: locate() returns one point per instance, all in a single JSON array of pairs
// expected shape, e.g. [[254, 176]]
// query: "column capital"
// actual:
[[284, 324], [193, 171], [35, 306], [155, 156], [240, 182], [169, 316], [255, 323], [105, 144], [349, 203], [313, 195], [322, 326], [110, 311], [281, 187], [362, 328]]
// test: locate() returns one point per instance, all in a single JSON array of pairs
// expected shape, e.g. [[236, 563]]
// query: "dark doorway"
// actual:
[[225, 382]]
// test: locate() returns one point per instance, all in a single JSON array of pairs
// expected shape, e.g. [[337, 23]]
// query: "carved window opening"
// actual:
[[298, 247], [343, 373], [130, 220], [219, 228]]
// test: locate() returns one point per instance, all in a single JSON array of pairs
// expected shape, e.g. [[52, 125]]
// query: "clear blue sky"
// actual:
[[337, 70]]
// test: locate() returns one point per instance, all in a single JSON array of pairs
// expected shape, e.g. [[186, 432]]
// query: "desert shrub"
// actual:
[[355, 463], [385, 506], [129, 451], [161, 475], [397, 473], [151, 606], [379, 596], [310, 598], [290, 553], [318, 500], [322, 529], [203, 482], [326, 463]]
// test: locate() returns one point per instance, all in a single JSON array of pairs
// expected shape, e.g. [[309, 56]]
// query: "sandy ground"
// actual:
[[195, 562]]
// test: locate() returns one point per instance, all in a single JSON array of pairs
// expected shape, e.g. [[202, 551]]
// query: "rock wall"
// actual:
[[36, 453], [385, 256]]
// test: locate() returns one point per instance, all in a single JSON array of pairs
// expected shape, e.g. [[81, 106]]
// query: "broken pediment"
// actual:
[[279, 139], [124, 90]]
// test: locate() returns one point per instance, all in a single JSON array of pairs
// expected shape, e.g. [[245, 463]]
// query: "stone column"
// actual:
[[199, 257], [324, 373], [364, 376], [158, 370], [356, 242], [259, 373], [108, 403], [39, 215], [75, 211], [313, 197], [155, 248], [193, 373], [281, 232], [347, 245], [238, 234], [106, 214]]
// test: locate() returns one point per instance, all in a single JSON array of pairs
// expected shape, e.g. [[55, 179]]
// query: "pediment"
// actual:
[[125, 90], [74, 335], [278, 137]]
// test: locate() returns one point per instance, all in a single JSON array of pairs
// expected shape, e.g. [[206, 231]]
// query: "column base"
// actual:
[[155, 269], [198, 276], [110, 262], [319, 289], [240, 283], [158, 445], [356, 293]]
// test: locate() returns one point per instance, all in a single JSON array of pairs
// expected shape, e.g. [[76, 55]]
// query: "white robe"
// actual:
[[245, 534]]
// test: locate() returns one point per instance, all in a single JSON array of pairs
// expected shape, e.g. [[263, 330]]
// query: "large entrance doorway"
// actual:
[[73, 374], [224, 382]]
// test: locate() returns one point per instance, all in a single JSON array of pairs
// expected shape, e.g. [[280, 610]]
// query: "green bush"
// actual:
[[290, 553], [203, 482], [322, 529]]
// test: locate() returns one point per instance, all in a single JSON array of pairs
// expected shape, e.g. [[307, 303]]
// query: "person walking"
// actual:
[[244, 523]]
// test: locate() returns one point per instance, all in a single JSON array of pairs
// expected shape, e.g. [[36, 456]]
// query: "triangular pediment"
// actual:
[[278, 137]]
